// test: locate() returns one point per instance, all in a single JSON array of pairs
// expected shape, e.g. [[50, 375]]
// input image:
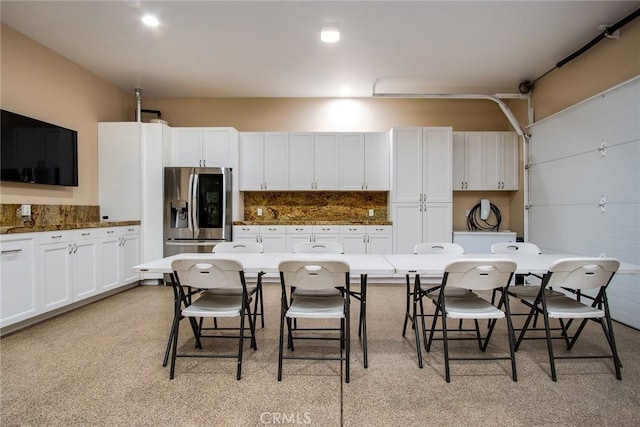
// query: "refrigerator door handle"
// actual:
[[194, 202], [190, 215]]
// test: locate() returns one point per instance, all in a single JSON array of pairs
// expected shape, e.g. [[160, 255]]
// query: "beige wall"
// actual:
[[39, 83], [608, 63], [323, 114]]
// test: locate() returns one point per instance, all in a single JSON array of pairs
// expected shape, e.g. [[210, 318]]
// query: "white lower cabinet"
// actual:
[[311, 233], [19, 291], [366, 239], [49, 270], [272, 237], [68, 266], [85, 264], [54, 255], [120, 251], [415, 223], [357, 239]]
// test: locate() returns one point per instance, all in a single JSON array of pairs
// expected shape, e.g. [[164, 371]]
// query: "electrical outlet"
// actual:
[[25, 210], [259, 211], [370, 212]]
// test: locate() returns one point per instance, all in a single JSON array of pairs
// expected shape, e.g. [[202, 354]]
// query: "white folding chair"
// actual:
[[192, 275], [315, 248], [318, 248], [576, 275], [315, 276], [254, 282], [521, 292], [475, 275], [432, 285]]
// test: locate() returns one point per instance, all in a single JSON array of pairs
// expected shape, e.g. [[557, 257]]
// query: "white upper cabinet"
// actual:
[[467, 161], [219, 147], [364, 161], [186, 147], [407, 165], [352, 168], [314, 161], [301, 176], [377, 151], [204, 147], [422, 165], [485, 161], [437, 165], [264, 161], [501, 160]]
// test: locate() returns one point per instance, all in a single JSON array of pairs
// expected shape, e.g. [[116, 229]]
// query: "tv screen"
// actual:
[[37, 152]]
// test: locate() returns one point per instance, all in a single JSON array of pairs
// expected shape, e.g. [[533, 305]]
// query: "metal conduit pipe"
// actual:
[[507, 112], [138, 93]]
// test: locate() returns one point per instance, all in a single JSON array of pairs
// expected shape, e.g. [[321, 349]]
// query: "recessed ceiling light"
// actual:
[[150, 21], [330, 34]]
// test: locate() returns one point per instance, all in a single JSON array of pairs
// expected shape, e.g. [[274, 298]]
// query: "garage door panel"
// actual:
[[569, 176], [621, 115]]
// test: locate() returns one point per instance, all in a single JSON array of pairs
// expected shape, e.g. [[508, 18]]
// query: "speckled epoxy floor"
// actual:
[[102, 365]]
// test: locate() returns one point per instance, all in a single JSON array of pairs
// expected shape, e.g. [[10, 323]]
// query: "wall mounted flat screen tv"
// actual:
[[37, 152]]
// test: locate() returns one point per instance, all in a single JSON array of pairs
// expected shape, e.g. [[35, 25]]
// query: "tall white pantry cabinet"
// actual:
[[421, 196], [131, 159]]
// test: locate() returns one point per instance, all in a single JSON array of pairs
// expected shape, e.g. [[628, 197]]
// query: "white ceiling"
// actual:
[[272, 49]]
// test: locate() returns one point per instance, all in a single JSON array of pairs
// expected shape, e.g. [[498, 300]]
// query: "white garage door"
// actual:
[[584, 186]]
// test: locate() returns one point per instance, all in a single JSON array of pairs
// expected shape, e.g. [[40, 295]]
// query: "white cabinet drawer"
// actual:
[[246, 229], [270, 229], [85, 234], [353, 229], [129, 229], [379, 229], [322, 229], [54, 237], [109, 232], [299, 229]]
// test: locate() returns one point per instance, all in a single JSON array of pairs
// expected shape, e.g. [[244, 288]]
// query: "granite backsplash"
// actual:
[[46, 215], [301, 206]]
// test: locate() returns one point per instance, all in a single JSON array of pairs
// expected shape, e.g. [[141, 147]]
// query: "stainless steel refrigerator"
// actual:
[[197, 209]]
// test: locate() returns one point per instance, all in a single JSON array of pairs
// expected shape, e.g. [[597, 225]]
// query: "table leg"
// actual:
[[363, 318]]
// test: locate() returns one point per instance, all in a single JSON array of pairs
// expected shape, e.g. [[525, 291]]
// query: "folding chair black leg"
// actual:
[[478, 336], [512, 346], [446, 346], [290, 334], [252, 326], [612, 342], [241, 343], [547, 329], [174, 349], [407, 315], [281, 345], [169, 342], [433, 327], [196, 332], [416, 329], [347, 333]]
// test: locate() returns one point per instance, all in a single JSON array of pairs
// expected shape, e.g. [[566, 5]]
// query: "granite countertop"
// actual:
[[312, 222], [13, 229]]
